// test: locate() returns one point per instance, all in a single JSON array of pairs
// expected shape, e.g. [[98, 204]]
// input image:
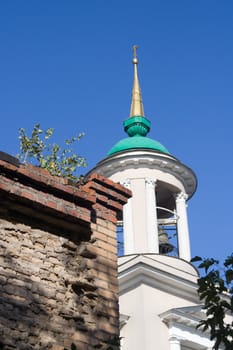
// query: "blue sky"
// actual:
[[67, 65]]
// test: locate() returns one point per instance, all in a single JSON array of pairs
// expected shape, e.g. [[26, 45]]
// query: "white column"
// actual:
[[174, 344], [182, 226], [151, 214], [128, 223]]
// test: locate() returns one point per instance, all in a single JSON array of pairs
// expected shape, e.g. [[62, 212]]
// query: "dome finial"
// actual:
[[136, 104], [135, 59]]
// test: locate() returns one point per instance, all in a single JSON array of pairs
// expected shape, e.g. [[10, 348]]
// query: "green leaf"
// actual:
[[196, 258], [229, 261], [225, 304], [49, 133], [229, 276]]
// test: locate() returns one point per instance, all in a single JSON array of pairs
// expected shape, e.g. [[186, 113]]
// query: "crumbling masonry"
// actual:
[[58, 259]]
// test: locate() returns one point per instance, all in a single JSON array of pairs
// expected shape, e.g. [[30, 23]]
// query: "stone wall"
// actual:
[[58, 260]]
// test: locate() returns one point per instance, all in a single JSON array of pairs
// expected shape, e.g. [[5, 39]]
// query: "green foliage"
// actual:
[[215, 289], [58, 161]]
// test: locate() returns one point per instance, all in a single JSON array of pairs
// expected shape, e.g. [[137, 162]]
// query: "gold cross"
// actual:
[[135, 47]]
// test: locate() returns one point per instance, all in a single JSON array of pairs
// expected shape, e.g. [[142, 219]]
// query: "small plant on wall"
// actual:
[[60, 161]]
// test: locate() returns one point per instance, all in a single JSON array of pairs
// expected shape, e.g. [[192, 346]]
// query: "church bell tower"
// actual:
[[157, 283], [155, 219]]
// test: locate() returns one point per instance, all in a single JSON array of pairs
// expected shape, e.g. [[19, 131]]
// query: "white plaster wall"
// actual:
[[145, 329]]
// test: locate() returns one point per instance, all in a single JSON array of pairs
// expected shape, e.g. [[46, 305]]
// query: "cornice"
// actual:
[[140, 269], [149, 159], [180, 317], [182, 326]]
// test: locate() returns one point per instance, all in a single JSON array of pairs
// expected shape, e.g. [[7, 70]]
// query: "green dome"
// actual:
[[137, 125], [137, 142]]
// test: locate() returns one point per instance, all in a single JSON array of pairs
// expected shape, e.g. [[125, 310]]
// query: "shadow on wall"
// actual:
[[47, 290]]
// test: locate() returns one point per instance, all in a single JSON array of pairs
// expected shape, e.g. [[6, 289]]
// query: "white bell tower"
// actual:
[[160, 184], [157, 282]]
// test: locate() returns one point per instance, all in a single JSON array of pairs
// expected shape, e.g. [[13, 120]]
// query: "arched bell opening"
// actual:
[[154, 220], [166, 218], [167, 232], [165, 198]]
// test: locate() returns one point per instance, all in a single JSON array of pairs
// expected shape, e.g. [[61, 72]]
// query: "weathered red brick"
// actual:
[[41, 258]]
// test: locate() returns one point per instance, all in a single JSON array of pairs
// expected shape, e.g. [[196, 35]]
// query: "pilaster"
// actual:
[[174, 343], [182, 226], [151, 222], [128, 222]]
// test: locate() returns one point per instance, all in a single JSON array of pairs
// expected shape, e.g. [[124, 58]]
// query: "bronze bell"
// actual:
[[165, 246]]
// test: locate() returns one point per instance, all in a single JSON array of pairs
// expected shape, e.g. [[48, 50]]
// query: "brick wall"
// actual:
[[58, 259]]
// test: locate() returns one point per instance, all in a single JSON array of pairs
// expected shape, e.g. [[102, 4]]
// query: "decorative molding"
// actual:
[[126, 183], [175, 343], [174, 339], [151, 182], [181, 196], [143, 269], [152, 160], [123, 320], [182, 323]]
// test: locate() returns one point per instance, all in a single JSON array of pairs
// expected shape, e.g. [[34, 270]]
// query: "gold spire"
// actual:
[[136, 103]]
